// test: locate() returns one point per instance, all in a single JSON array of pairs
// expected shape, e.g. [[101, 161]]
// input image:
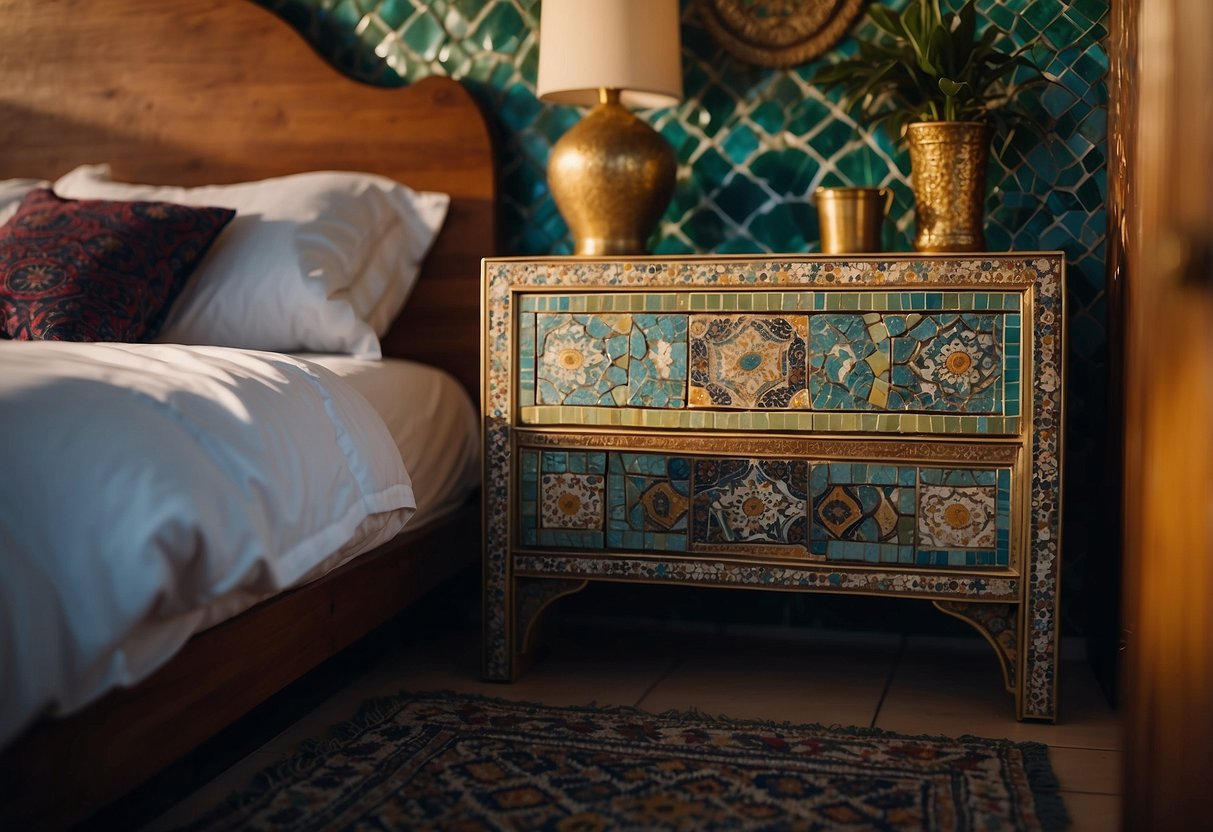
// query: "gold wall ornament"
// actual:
[[948, 174], [778, 33], [612, 176]]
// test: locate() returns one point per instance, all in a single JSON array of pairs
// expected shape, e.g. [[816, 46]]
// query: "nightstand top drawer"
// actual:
[[911, 345]]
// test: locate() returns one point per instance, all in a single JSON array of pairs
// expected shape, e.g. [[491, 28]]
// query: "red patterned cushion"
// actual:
[[95, 270]]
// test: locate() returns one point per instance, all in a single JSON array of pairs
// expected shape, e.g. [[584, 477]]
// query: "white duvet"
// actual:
[[148, 490]]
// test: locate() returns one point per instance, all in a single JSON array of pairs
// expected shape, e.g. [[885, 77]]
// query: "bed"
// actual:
[[199, 94]]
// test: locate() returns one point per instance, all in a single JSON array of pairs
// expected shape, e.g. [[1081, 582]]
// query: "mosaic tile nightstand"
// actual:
[[866, 425]]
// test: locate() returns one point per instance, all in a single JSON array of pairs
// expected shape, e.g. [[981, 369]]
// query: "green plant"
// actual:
[[927, 66]]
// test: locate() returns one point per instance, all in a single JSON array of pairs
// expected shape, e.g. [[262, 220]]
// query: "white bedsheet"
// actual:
[[432, 421], [158, 484]]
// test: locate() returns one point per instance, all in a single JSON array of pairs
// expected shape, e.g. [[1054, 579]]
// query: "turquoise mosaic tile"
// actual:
[[611, 359], [657, 373], [951, 362], [526, 352], [562, 496], [581, 359], [528, 497], [862, 512], [648, 502]]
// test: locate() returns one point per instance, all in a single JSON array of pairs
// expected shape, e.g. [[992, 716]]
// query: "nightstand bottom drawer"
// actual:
[[765, 507]]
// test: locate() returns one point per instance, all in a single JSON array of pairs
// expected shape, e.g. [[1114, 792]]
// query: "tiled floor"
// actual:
[[916, 685]]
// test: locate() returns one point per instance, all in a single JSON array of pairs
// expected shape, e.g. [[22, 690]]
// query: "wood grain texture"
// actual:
[[1168, 452], [190, 92]]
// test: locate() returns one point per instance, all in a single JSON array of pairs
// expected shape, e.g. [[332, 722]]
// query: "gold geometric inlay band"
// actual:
[[825, 448]]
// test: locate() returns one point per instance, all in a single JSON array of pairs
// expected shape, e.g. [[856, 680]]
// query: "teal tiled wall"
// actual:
[[753, 143]]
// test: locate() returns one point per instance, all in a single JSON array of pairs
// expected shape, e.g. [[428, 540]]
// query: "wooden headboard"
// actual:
[[189, 92]]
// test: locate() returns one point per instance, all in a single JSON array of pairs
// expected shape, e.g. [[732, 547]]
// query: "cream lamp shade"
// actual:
[[628, 45]]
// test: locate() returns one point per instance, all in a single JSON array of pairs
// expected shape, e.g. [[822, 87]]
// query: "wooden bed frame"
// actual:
[[212, 91]]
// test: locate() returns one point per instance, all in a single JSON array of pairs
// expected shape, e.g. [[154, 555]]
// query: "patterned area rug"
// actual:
[[458, 762]]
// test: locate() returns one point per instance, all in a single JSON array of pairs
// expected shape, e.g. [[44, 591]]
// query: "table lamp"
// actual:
[[611, 174]]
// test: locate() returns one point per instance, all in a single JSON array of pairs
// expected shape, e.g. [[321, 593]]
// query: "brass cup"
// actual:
[[851, 219]]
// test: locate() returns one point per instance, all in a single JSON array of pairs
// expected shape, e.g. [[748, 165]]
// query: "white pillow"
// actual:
[[314, 262], [12, 191]]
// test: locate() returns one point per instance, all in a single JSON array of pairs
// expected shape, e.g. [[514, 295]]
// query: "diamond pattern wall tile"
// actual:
[[753, 143]]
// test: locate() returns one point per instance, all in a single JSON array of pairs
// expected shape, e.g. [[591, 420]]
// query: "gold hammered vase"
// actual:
[[611, 176], [948, 174]]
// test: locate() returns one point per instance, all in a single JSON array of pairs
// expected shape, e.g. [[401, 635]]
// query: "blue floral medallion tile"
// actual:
[[604, 359], [747, 361], [750, 501], [582, 359], [956, 360], [648, 502], [951, 362]]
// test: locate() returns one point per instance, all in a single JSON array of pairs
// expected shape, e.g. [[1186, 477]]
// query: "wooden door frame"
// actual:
[[1160, 121]]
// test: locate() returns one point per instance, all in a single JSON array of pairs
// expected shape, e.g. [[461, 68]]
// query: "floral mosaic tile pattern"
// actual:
[[852, 512], [955, 518], [964, 517], [945, 362], [582, 359], [964, 362], [570, 501], [657, 374], [563, 494], [748, 361], [609, 359], [649, 500], [750, 501]]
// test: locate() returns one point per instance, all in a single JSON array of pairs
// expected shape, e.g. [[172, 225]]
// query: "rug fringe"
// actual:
[[1046, 789]]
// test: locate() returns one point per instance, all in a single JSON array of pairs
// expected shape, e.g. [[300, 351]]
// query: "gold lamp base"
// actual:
[[611, 176]]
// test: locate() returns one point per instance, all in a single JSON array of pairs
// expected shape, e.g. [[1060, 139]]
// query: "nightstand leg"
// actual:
[[531, 597], [999, 624]]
